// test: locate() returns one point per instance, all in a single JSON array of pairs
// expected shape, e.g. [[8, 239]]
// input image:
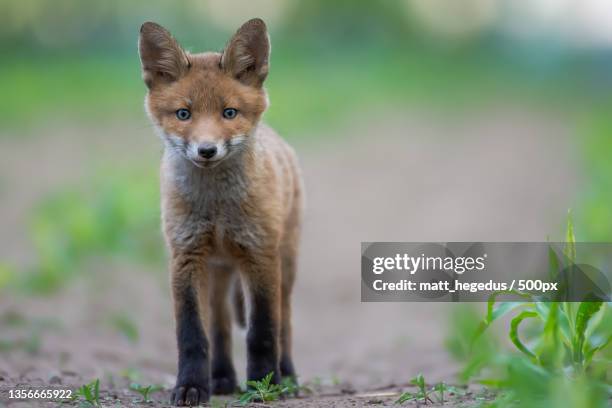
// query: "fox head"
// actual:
[[206, 105]]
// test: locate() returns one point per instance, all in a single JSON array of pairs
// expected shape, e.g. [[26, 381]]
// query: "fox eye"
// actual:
[[183, 114], [230, 113]]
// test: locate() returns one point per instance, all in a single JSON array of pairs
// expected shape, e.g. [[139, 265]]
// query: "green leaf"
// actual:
[[590, 351], [550, 351], [440, 388], [506, 307], [553, 264], [266, 380], [246, 398], [419, 381], [564, 325], [514, 336], [494, 313], [407, 396], [97, 390], [88, 394], [583, 316], [569, 252]]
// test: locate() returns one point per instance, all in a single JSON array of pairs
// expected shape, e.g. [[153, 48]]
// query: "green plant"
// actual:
[[145, 391], [440, 388], [90, 393], [421, 395], [440, 391], [264, 390], [106, 218], [475, 353], [561, 354], [566, 338]]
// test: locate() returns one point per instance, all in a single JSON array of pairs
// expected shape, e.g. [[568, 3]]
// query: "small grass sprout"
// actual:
[[264, 390], [145, 391], [422, 393], [89, 394]]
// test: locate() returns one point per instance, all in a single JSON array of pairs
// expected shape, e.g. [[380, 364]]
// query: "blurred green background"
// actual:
[[73, 65], [70, 74]]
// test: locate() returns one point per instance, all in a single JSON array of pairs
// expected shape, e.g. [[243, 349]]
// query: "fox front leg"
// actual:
[[189, 278]]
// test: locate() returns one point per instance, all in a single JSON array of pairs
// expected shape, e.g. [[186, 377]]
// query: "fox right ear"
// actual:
[[161, 56], [247, 54]]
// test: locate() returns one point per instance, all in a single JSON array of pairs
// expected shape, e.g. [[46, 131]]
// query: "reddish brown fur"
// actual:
[[242, 213], [206, 90]]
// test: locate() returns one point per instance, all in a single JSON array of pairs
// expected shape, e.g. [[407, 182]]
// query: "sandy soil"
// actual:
[[500, 175]]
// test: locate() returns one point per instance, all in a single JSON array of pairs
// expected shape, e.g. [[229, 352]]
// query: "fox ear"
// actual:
[[247, 53], [161, 56]]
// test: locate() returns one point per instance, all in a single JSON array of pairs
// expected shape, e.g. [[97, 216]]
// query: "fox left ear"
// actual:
[[247, 53], [161, 56]]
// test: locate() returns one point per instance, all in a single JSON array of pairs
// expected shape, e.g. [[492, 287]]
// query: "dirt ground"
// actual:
[[499, 175]]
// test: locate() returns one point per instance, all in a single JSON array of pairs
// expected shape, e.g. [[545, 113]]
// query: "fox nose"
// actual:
[[207, 150]]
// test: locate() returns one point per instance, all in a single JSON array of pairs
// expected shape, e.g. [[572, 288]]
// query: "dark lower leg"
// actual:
[[264, 322], [192, 382]]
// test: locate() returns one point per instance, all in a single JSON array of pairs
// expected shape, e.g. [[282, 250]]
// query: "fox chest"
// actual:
[[215, 216]]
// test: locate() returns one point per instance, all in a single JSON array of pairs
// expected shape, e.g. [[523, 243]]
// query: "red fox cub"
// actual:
[[231, 202]]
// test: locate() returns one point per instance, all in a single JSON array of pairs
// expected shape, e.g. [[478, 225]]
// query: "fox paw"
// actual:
[[189, 395]]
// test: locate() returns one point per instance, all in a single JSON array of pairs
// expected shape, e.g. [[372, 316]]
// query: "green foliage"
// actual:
[[530, 386], [406, 396], [593, 214], [265, 391], [513, 334], [117, 216], [564, 325], [419, 381], [262, 390], [474, 352], [61, 90], [328, 90], [421, 394], [89, 394], [440, 388], [424, 394], [562, 355], [332, 84], [145, 391]]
